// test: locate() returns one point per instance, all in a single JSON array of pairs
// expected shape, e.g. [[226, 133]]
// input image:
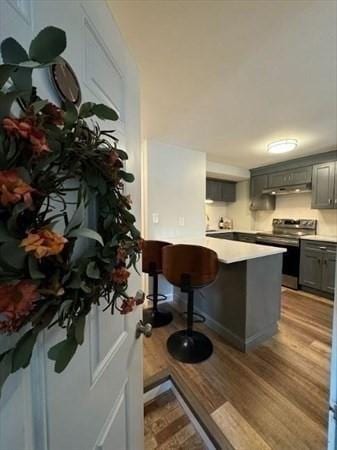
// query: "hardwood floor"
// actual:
[[168, 427], [274, 397]]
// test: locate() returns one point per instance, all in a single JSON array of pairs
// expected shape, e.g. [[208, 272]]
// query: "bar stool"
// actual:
[[152, 265], [189, 267]]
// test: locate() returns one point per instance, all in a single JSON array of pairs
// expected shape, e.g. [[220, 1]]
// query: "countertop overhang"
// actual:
[[231, 251]]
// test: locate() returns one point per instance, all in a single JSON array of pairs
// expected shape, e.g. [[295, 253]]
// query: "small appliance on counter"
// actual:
[[225, 224], [287, 233]]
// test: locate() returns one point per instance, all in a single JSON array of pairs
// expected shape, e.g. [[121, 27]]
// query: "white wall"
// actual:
[[175, 189], [298, 206]]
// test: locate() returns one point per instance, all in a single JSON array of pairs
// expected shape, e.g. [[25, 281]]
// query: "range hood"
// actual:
[[286, 190]]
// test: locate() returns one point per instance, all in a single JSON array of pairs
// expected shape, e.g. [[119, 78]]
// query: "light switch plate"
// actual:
[[155, 217], [181, 221]]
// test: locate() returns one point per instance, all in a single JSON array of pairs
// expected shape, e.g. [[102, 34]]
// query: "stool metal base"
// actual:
[[157, 318], [192, 348]]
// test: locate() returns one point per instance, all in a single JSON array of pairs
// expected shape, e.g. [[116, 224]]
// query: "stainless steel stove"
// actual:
[[287, 233]]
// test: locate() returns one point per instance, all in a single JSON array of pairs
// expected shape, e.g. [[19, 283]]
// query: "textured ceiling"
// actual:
[[228, 77]]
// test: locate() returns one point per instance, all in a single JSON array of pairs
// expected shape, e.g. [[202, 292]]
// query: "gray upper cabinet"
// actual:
[[323, 186], [290, 177], [259, 201], [220, 190]]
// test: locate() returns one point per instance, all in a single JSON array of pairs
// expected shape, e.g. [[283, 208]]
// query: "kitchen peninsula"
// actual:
[[244, 303]]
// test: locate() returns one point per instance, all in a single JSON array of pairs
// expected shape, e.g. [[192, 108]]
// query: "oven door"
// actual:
[[291, 259]]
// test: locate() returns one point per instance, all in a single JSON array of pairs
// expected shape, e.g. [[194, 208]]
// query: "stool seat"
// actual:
[[189, 267], [152, 265]]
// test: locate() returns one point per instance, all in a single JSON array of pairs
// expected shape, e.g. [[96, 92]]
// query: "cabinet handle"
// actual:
[[322, 248], [329, 201]]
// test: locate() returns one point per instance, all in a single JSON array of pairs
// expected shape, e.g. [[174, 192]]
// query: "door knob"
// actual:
[[143, 328]]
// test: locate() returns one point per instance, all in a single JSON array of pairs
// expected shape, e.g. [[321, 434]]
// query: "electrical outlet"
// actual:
[[181, 221], [155, 217]]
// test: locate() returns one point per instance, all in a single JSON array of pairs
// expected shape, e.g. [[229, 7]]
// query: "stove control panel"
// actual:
[[308, 224]]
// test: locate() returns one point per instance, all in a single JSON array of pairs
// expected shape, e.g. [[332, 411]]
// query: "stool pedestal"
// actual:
[[187, 345]]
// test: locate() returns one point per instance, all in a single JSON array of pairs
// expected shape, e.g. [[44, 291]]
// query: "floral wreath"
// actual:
[[53, 268]]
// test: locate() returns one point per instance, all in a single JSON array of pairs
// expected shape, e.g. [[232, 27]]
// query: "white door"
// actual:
[[96, 404], [332, 437]]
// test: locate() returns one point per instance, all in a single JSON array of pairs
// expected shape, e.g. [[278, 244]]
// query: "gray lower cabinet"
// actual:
[[317, 265], [229, 235], [329, 271], [259, 201], [246, 237], [324, 193]]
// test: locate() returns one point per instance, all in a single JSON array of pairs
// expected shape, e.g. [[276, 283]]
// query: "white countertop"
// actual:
[[320, 237], [231, 251]]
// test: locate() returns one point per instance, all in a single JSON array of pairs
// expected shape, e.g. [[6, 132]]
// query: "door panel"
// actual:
[[302, 175], [311, 267], [323, 176], [329, 269], [96, 403]]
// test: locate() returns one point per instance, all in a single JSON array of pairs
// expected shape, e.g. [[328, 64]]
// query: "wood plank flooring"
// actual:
[[168, 427], [275, 397]]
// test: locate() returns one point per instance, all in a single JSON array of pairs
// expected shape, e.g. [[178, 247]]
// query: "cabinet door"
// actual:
[[300, 176], [323, 176], [213, 190], [311, 267], [228, 191], [279, 179], [328, 272], [257, 184]]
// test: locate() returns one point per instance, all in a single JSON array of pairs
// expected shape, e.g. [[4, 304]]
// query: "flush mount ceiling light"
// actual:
[[283, 146]]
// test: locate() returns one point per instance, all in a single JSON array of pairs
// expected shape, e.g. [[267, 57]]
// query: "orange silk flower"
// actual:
[[26, 129], [120, 275], [13, 189], [16, 302], [43, 243]]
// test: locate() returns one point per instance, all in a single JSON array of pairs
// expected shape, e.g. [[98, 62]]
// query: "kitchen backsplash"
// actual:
[[298, 206], [287, 206]]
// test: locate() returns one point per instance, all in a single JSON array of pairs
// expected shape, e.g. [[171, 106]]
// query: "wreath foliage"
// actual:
[[54, 266]]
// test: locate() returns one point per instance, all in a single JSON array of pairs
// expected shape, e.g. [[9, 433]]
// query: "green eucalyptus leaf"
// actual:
[[23, 351], [86, 110], [39, 105], [79, 330], [7, 100], [70, 115], [76, 219], [13, 255], [12, 52], [62, 353], [5, 72], [34, 270], [4, 233], [5, 366], [22, 79], [126, 176], [87, 233], [93, 271], [104, 112], [47, 45]]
